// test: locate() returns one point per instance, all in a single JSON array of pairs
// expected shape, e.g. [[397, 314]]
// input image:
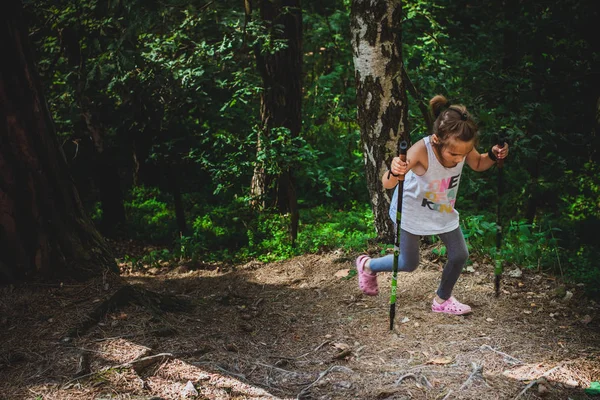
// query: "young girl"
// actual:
[[432, 171]]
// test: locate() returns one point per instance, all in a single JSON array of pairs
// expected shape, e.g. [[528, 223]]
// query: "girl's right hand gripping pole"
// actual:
[[498, 267], [402, 149]]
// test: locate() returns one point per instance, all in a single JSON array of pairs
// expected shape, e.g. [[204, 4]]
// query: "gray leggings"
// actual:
[[408, 261]]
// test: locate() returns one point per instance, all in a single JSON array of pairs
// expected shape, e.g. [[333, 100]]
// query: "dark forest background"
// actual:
[[159, 110]]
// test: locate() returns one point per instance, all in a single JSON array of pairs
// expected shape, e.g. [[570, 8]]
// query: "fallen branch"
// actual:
[[321, 376], [526, 388], [477, 372], [213, 365], [409, 375], [536, 381], [138, 365], [83, 366], [511, 359]]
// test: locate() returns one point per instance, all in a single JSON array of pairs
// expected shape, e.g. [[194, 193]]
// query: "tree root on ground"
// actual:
[[156, 303]]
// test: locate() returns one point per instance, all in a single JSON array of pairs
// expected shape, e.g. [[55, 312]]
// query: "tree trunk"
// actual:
[[380, 94], [175, 189], [43, 228], [281, 98]]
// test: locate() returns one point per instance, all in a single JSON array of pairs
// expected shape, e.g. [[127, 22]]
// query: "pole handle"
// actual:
[[501, 142], [402, 150]]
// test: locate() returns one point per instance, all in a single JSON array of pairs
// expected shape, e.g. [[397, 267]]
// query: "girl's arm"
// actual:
[[481, 162], [416, 160]]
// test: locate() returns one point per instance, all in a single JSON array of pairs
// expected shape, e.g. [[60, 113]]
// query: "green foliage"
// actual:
[[440, 252], [234, 233], [321, 228], [150, 215], [179, 80], [523, 244]]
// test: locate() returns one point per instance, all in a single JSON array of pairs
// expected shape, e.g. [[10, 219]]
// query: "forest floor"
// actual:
[[298, 329]]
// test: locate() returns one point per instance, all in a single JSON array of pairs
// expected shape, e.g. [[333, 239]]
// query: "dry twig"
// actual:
[[508, 358], [535, 381], [321, 376]]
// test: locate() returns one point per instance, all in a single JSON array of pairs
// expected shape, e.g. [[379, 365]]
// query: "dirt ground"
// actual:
[[299, 329]]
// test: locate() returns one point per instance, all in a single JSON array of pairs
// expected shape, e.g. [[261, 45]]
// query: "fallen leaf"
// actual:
[[342, 354], [342, 273], [341, 346], [440, 360]]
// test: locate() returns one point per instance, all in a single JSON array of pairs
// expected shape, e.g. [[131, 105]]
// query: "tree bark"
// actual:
[[43, 228], [281, 98], [380, 94]]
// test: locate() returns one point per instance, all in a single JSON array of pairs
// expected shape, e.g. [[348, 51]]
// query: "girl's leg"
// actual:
[[367, 268], [458, 254], [408, 260]]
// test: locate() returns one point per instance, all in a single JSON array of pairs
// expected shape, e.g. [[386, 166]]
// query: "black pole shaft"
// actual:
[[498, 267], [402, 149]]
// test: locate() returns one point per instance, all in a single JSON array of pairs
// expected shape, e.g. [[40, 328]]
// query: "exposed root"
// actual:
[[156, 303]]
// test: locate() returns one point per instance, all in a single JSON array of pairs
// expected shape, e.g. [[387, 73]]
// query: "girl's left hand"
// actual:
[[500, 152]]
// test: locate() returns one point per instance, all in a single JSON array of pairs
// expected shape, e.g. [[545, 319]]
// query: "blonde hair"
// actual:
[[452, 121]]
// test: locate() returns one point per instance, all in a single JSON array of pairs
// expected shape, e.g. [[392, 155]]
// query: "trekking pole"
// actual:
[[402, 148], [498, 267]]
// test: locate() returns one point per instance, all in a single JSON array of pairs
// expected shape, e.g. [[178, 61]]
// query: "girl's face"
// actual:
[[453, 152]]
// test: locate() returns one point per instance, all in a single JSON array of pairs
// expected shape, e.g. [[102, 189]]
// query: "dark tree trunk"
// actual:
[[175, 189], [102, 169], [281, 98], [511, 14], [108, 182], [43, 228], [380, 94]]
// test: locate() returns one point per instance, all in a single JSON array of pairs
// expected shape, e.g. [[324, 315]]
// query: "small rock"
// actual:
[[231, 347], [189, 390], [342, 385], [567, 297], [470, 269], [182, 269], [542, 390], [515, 273], [489, 319], [572, 383]]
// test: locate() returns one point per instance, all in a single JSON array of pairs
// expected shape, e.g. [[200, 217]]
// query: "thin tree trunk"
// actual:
[[381, 95], [43, 228], [175, 190], [281, 98]]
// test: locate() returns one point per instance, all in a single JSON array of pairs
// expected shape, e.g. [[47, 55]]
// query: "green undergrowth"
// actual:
[[236, 234]]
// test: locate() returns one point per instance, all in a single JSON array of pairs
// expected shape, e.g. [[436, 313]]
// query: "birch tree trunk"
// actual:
[[381, 96]]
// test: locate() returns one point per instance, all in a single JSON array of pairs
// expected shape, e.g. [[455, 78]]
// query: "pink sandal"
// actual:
[[366, 282], [450, 306]]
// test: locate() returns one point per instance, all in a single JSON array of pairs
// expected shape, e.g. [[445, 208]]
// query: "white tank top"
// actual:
[[428, 200]]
